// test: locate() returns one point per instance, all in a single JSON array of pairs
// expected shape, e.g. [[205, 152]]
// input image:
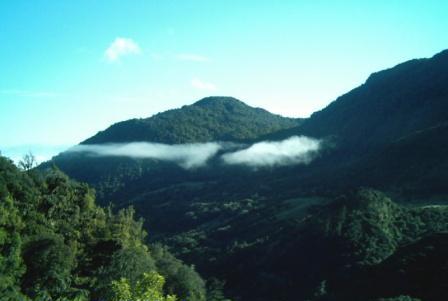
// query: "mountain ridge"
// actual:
[[373, 113], [214, 118]]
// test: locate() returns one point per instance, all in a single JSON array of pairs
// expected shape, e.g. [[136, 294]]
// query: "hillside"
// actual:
[[57, 244], [391, 104], [289, 249], [209, 119], [387, 133]]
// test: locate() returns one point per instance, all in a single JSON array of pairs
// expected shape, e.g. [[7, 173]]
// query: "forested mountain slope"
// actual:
[[57, 244], [388, 133], [391, 104], [209, 119]]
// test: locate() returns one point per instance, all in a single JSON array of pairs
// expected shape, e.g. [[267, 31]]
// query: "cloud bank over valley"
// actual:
[[294, 150], [185, 155], [291, 151]]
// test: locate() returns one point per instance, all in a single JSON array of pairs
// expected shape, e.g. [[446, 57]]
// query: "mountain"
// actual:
[[360, 129], [209, 119], [386, 133], [298, 231], [391, 104]]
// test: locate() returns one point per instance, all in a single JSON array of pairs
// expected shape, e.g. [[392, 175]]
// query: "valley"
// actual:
[[279, 226]]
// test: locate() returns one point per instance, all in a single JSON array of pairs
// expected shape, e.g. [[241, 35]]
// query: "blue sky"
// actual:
[[72, 68]]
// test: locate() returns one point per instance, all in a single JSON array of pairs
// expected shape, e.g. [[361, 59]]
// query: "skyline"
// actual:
[[70, 71]]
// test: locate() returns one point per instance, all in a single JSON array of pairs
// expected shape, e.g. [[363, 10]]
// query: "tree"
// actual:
[[11, 265], [181, 280], [28, 161], [148, 287], [49, 264], [215, 290]]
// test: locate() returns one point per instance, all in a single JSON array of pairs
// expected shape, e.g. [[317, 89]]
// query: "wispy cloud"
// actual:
[[192, 57], [121, 47], [185, 155], [30, 93], [201, 85], [294, 150]]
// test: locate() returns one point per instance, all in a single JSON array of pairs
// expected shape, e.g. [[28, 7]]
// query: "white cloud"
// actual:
[[201, 85], [121, 47], [185, 155], [192, 57], [294, 150]]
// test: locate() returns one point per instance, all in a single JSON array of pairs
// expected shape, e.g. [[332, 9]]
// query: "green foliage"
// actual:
[[182, 280], [371, 226], [11, 263], [148, 287], [56, 244], [321, 244], [28, 162], [49, 265], [215, 290]]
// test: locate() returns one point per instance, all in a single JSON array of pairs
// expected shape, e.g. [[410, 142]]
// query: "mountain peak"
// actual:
[[219, 100], [214, 118]]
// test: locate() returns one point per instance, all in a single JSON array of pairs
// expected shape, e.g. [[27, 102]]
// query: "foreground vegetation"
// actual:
[[57, 244]]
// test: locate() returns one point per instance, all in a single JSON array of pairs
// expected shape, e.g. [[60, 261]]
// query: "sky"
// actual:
[[69, 69]]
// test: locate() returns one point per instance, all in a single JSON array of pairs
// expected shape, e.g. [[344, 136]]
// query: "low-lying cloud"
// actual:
[[294, 150], [185, 155]]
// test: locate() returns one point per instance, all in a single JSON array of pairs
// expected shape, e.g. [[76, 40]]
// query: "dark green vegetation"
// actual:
[[359, 246], [301, 232], [210, 119], [56, 244]]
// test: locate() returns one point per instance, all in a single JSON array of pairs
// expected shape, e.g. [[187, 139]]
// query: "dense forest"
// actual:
[[358, 246], [57, 244]]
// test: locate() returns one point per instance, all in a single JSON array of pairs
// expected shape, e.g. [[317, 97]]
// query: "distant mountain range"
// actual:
[[390, 134]]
